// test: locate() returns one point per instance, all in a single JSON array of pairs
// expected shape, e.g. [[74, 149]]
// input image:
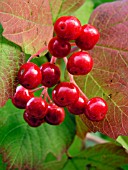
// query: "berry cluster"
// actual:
[[38, 110]]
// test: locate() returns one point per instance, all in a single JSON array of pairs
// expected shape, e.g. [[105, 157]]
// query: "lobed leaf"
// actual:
[[11, 58], [102, 156], [24, 147], [108, 79], [27, 23]]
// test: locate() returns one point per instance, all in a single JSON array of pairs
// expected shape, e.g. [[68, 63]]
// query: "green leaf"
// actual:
[[108, 78], [84, 12], [27, 147], [64, 7], [123, 140], [11, 58], [2, 164], [100, 157]]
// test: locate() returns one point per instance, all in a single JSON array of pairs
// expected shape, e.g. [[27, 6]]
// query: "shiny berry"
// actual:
[[55, 115], [29, 75], [67, 27], [64, 94], [88, 38], [59, 48], [37, 107], [32, 121], [78, 107], [96, 109], [21, 97], [50, 74], [79, 63]]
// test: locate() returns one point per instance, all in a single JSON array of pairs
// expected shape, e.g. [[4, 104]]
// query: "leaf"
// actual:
[[81, 128], [25, 147], [11, 58], [27, 23], [108, 79], [99, 157], [84, 12], [64, 7], [123, 140], [99, 2]]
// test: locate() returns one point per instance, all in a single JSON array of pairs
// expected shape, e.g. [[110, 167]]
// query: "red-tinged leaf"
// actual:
[[109, 77], [27, 23], [59, 8], [11, 58]]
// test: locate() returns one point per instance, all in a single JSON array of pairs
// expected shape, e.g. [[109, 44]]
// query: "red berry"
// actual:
[[88, 38], [58, 47], [67, 27], [21, 97], [96, 109], [65, 93], [78, 107], [80, 63], [29, 75], [32, 121], [55, 115], [50, 74], [37, 107]]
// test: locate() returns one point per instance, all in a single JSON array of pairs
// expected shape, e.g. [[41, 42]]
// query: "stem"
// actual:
[[34, 90], [53, 60], [46, 95], [38, 53], [73, 81], [75, 48]]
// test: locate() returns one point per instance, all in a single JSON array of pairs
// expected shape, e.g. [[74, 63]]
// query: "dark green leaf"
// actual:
[[100, 157]]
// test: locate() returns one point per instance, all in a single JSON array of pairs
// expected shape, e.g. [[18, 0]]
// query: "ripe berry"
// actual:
[[32, 121], [78, 107], [21, 97], [58, 47], [50, 74], [55, 115], [37, 107], [29, 75], [65, 93], [79, 63], [96, 109], [88, 38], [67, 27]]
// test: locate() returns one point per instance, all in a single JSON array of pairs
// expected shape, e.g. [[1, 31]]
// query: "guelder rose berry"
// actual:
[[55, 115], [88, 38], [37, 107], [65, 93], [80, 63], [67, 27], [29, 75], [96, 109], [21, 97], [32, 121], [50, 74], [58, 47], [78, 107]]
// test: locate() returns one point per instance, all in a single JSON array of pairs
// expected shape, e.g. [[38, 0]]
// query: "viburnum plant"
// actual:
[[65, 77]]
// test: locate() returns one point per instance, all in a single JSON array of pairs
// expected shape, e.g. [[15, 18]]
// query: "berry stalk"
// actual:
[[73, 81]]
